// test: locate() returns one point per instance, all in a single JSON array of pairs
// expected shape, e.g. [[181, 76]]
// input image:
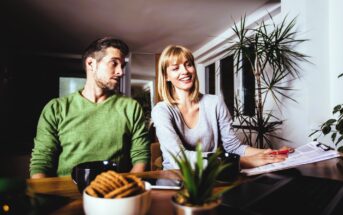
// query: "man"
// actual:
[[94, 123]]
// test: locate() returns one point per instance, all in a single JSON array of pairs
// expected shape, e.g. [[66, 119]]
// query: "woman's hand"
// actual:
[[264, 157], [289, 149]]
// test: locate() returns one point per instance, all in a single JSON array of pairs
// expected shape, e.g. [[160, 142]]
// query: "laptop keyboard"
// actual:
[[303, 195]]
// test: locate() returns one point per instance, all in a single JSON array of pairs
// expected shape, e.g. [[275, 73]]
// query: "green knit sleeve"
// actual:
[[140, 150], [46, 145]]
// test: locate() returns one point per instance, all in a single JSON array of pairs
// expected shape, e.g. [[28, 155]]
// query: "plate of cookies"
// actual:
[[112, 193]]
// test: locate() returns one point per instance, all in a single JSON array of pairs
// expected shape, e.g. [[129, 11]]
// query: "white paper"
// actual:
[[304, 154]]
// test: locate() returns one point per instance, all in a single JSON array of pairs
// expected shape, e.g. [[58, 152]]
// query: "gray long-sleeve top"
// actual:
[[212, 129]]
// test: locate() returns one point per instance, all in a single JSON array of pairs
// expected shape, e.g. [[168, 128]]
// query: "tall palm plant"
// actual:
[[269, 52]]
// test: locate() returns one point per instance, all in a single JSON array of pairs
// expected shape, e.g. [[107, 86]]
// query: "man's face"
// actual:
[[109, 70]]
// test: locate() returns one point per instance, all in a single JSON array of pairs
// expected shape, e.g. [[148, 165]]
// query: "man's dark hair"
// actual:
[[101, 45]]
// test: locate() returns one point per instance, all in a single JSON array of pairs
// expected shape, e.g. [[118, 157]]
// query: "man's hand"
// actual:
[[39, 175], [138, 167]]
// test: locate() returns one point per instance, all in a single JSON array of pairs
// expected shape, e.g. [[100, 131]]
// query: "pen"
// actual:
[[280, 152]]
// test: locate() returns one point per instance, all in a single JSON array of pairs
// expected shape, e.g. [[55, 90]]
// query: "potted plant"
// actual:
[[267, 52], [333, 126], [197, 194]]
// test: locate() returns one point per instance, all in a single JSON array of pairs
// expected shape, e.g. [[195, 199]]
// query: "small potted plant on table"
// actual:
[[197, 195]]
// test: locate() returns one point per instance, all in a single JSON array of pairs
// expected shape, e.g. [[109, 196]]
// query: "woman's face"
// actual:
[[181, 74]]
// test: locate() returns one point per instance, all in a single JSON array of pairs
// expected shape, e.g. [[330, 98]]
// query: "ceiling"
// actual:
[[68, 26]]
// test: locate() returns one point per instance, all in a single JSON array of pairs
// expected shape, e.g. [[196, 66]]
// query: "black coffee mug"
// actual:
[[231, 172], [84, 173]]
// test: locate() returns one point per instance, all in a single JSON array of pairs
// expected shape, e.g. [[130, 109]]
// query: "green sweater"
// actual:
[[72, 130]]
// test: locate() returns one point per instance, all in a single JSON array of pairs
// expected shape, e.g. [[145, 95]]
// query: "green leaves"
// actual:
[[333, 126], [339, 126], [274, 48], [198, 181], [254, 127], [336, 109], [269, 51]]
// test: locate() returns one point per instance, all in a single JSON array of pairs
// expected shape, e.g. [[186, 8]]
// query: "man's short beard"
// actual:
[[105, 87]]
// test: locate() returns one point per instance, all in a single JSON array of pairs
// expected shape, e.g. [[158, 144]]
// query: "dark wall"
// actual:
[[27, 83]]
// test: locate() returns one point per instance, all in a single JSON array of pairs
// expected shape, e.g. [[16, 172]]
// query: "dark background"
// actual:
[[27, 83]]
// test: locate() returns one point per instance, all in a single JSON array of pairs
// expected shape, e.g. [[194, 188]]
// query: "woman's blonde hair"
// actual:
[[165, 88]]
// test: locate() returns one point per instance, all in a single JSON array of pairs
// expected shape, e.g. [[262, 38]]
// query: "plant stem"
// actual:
[[259, 110]]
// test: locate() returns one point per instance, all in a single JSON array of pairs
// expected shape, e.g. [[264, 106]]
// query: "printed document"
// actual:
[[309, 153]]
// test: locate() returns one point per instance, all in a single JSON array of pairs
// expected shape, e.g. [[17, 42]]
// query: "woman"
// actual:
[[186, 117]]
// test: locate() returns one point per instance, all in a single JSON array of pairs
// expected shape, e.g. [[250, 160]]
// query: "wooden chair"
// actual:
[[156, 156]]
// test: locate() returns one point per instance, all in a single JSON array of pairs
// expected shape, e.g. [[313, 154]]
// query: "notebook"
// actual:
[[272, 194], [308, 153]]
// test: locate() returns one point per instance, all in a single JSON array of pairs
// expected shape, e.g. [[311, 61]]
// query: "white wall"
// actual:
[[319, 89], [143, 71], [143, 65], [336, 50], [319, 20], [313, 87], [201, 76]]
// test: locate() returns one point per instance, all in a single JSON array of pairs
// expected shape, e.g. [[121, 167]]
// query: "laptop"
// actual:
[[271, 194]]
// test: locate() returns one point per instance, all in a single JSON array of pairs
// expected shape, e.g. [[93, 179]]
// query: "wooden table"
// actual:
[[63, 186]]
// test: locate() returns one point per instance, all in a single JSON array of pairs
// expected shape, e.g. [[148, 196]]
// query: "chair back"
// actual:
[[156, 157]]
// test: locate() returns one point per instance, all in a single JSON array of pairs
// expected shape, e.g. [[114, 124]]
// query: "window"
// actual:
[[210, 79], [248, 85], [68, 85], [222, 78], [142, 91], [227, 82]]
